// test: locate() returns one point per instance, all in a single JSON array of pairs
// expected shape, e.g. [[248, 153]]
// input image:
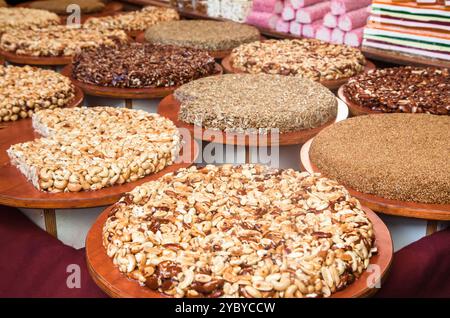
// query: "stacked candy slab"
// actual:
[[409, 28]]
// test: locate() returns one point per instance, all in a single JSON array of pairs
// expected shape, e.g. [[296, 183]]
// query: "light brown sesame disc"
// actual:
[[202, 34], [396, 156], [238, 102]]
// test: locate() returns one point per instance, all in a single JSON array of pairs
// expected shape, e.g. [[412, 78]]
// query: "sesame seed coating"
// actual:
[[396, 156], [236, 102], [202, 34]]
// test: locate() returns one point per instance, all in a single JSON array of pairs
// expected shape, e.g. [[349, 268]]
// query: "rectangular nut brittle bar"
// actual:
[[89, 149]]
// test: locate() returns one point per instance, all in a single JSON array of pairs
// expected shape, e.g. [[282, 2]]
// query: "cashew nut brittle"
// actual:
[[92, 148], [137, 20], [58, 40], [26, 18], [244, 231], [25, 90]]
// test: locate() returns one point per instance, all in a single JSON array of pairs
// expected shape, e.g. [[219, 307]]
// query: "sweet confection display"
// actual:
[[24, 18], [308, 58], [328, 21], [25, 90], [60, 6], [133, 20], [203, 149], [396, 156], [234, 10], [140, 65], [246, 231], [402, 89], [86, 149], [202, 34], [409, 28], [57, 41], [227, 102]]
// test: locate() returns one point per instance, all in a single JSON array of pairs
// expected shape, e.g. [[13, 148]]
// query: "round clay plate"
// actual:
[[129, 93], [382, 205], [115, 284], [35, 60], [332, 84], [17, 191], [109, 9], [215, 54], [355, 109], [170, 107]]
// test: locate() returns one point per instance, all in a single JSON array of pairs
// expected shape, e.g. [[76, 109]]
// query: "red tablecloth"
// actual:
[[34, 264]]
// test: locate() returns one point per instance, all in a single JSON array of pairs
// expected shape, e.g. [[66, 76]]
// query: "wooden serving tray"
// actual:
[[403, 59], [107, 276], [169, 107], [35, 60], [17, 191], [129, 93], [355, 109], [383, 205], [331, 84], [110, 8]]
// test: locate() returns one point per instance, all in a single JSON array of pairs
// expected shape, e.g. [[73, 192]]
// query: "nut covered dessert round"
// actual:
[[395, 156], [85, 149], [60, 6], [25, 18], [202, 34], [310, 58], [138, 20], [244, 231], [141, 65], [25, 90], [403, 89], [58, 41], [262, 102]]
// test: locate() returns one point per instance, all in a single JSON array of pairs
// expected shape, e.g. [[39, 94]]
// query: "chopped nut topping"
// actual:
[[308, 58], [139, 65], [138, 20], [402, 90], [25, 18], [245, 231], [58, 40]]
